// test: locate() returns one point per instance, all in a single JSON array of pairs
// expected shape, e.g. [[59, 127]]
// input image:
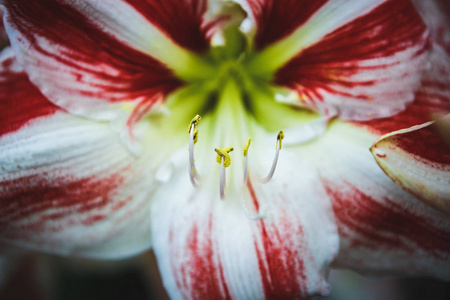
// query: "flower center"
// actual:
[[235, 103], [224, 158]]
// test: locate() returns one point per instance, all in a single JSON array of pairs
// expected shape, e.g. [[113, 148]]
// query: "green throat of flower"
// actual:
[[230, 88]]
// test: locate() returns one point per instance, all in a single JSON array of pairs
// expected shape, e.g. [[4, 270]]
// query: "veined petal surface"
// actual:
[[432, 100], [276, 20], [182, 20], [21, 102], [91, 57], [417, 159], [208, 248], [435, 14], [384, 230], [67, 185], [368, 67]]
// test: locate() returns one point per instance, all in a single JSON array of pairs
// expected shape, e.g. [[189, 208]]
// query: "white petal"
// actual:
[[93, 58], [384, 230], [207, 247], [418, 160]]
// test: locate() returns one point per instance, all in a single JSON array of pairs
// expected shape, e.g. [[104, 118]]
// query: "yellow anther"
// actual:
[[195, 136], [194, 122], [280, 137], [223, 154], [228, 149], [247, 145]]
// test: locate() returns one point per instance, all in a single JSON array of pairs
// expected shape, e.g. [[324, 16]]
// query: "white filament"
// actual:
[[222, 181], [193, 173], [274, 165], [245, 169]]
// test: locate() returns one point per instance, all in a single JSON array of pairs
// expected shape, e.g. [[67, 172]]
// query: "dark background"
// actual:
[[42, 277]]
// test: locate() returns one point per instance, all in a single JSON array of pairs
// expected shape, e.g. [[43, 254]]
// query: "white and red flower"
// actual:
[[95, 98]]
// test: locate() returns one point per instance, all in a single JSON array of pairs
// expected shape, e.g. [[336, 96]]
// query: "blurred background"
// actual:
[[33, 276]]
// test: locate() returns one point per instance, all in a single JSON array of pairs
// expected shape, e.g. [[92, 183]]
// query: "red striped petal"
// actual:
[[384, 230], [78, 63], [431, 100], [182, 20], [283, 273], [208, 248], [277, 19], [20, 101], [418, 160], [368, 68], [67, 185], [389, 234], [433, 97]]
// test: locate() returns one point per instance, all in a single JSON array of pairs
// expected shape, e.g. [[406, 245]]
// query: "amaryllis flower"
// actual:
[[103, 152]]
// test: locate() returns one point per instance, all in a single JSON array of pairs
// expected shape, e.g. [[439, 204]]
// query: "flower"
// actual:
[[96, 97]]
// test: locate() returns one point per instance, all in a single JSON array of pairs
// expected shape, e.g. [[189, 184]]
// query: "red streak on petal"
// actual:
[[281, 268], [280, 262], [201, 271], [20, 101], [93, 219], [253, 195], [277, 19], [390, 28], [426, 144], [426, 104], [385, 224], [380, 155], [141, 109], [90, 51], [182, 20], [30, 204], [121, 204]]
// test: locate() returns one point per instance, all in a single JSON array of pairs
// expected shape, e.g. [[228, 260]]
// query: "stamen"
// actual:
[[280, 137], [193, 138], [223, 182], [194, 122], [247, 145], [222, 154]]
